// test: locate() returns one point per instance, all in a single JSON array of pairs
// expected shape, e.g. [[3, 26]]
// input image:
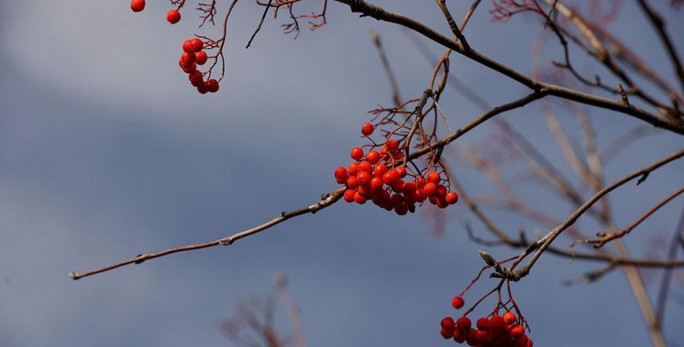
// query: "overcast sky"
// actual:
[[107, 152]]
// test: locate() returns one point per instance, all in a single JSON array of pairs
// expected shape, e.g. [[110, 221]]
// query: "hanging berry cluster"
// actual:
[[385, 174], [193, 54], [493, 330]]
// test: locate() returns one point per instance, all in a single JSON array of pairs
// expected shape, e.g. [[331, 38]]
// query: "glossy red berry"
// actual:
[[196, 44], [188, 58], [196, 78], [509, 318], [341, 175], [201, 57], [349, 195], [447, 334], [457, 302], [367, 129], [173, 16], [451, 198], [202, 88], [429, 189], [482, 323], [212, 85], [463, 323], [137, 5], [187, 46], [517, 330], [434, 177], [373, 157], [392, 145], [447, 323], [356, 153]]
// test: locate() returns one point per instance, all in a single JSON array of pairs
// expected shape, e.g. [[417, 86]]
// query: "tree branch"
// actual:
[[327, 200]]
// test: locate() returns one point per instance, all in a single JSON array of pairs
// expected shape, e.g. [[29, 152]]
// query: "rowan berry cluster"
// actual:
[[382, 176], [194, 55], [491, 331]]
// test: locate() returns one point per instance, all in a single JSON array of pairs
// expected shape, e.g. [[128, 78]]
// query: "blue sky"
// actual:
[[107, 152]]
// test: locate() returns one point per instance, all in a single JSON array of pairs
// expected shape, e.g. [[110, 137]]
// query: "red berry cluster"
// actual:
[[380, 177], [492, 331], [194, 55]]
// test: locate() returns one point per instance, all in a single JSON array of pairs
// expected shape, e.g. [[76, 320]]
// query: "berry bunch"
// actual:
[[491, 331], [382, 176], [194, 55]]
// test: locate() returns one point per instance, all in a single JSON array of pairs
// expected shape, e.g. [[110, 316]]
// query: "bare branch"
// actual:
[[327, 200]]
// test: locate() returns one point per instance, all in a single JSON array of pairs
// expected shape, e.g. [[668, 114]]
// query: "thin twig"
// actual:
[[607, 237], [326, 201]]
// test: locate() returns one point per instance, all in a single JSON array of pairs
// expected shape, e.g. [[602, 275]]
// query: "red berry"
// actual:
[[434, 177], [460, 336], [463, 323], [367, 129], [187, 46], [365, 166], [496, 322], [202, 88], [196, 44], [364, 178], [196, 78], [392, 145], [137, 5], [341, 175], [509, 317], [360, 199], [373, 157], [379, 170], [201, 57], [352, 182], [389, 177], [517, 330], [457, 302], [190, 69], [173, 16], [451, 198], [429, 189], [349, 195], [441, 191], [446, 334], [212, 85], [353, 169], [376, 183], [447, 323], [482, 323], [188, 58], [356, 153], [401, 209]]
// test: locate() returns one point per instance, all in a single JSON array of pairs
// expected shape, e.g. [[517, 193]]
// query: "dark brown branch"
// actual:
[[378, 13]]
